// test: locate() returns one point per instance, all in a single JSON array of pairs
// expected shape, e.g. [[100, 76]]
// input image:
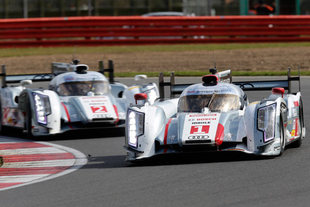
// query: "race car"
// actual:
[[215, 115], [76, 98]]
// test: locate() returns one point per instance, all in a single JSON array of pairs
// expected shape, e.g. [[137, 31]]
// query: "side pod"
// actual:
[[43, 111]]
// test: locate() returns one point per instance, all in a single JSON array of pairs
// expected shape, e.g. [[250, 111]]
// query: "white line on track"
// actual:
[[72, 164], [48, 163], [29, 151], [26, 179]]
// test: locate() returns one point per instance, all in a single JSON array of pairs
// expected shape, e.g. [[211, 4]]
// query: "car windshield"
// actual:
[[82, 88], [214, 102]]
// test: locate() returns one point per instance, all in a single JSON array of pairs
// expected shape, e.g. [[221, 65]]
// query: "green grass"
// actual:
[[15, 52]]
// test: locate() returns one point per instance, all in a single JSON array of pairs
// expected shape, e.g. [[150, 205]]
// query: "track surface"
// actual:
[[212, 179]]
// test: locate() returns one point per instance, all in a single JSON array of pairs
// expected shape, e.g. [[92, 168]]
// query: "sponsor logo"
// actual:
[[69, 78], [202, 115], [198, 137]]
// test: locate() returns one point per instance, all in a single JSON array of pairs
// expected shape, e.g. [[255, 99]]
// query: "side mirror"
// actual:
[[25, 82], [140, 97], [278, 91]]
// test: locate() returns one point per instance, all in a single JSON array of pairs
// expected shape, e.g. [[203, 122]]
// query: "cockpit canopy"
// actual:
[[82, 88], [214, 102]]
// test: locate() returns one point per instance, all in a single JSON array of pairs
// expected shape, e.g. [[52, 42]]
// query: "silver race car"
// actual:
[[76, 98], [216, 116]]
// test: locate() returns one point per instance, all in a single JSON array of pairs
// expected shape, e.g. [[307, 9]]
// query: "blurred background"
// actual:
[[56, 8]]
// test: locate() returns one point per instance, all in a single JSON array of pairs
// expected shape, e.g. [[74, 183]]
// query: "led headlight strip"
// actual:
[[266, 119], [42, 107], [135, 127]]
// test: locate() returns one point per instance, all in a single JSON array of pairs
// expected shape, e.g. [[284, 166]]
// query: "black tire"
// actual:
[[28, 121], [282, 138], [2, 128], [298, 142]]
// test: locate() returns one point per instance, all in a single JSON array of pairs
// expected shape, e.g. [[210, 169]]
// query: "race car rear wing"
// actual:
[[109, 70], [176, 89], [5, 79], [59, 68]]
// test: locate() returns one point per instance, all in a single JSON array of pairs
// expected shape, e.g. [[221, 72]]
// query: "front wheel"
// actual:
[[1, 121], [282, 138], [28, 121], [298, 142]]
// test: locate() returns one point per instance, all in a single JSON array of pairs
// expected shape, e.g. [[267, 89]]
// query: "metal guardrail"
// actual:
[[135, 30]]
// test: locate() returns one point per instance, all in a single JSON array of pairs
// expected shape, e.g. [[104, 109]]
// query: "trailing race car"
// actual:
[[75, 99], [216, 116]]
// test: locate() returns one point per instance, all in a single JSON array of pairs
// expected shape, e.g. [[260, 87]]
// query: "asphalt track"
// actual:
[[212, 179]]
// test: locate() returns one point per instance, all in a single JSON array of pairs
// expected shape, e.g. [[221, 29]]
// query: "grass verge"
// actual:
[[17, 52]]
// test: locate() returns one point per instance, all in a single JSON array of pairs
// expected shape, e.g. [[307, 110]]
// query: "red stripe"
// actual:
[[116, 112], [5, 113], [21, 145], [67, 112], [166, 131], [219, 134], [32, 170], [37, 157], [6, 185]]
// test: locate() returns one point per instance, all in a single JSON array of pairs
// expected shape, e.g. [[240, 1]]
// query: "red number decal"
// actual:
[[99, 109], [200, 129]]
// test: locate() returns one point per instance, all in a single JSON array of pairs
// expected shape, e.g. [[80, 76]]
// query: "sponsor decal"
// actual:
[[294, 132], [222, 90], [198, 137], [99, 107], [296, 103], [133, 87], [68, 78], [200, 127], [13, 117], [202, 115]]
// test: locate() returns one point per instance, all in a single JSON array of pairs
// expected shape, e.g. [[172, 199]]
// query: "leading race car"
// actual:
[[216, 116], [75, 99]]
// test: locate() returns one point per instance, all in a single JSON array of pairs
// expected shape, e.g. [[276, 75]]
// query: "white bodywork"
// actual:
[[66, 105], [263, 128]]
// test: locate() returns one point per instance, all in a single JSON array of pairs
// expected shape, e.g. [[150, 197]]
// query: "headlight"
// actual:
[[42, 107], [135, 127], [266, 121]]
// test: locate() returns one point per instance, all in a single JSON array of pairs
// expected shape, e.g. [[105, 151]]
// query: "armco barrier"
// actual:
[[135, 30]]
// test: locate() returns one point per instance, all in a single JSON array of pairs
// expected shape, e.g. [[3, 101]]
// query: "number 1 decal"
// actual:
[[99, 109], [200, 129]]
